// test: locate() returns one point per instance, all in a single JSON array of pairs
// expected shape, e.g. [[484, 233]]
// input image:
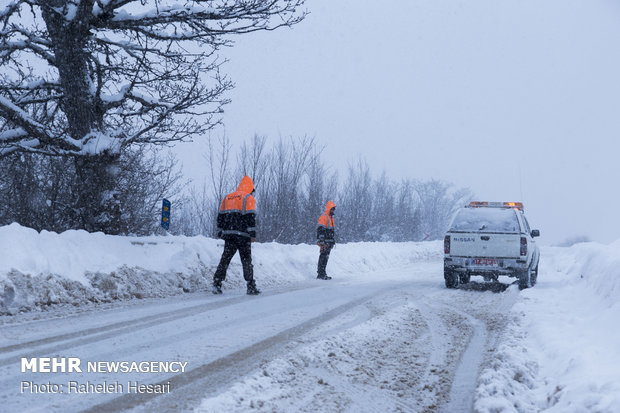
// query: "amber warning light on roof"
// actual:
[[479, 204]]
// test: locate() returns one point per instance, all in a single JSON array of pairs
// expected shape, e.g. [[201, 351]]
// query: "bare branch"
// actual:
[[125, 66]]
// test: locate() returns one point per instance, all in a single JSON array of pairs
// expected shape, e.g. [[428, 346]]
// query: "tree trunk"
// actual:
[[97, 204], [69, 39]]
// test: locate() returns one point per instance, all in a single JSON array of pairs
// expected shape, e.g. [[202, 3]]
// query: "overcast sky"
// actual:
[[517, 100]]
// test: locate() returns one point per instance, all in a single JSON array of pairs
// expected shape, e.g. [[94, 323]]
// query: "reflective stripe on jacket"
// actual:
[[326, 230], [237, 215]]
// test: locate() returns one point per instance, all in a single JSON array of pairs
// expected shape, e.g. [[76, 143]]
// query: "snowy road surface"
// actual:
[[384, 335], [392, 340]]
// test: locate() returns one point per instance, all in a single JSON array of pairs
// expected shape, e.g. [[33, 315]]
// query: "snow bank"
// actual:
[[42, 269], [561, 350], [596, 265]]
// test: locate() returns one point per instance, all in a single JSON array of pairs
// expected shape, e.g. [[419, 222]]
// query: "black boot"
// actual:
[[323, 277], [216, 288], [252, 290]]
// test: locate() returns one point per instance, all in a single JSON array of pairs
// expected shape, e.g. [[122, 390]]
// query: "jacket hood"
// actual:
[[329, 206], [246, 185]]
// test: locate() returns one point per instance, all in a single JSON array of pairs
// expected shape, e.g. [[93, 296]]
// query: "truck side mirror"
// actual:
[[535, 233]]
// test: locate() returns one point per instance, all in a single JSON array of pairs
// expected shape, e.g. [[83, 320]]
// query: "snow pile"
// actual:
[[598, 265], [75, 267], [561, 350]]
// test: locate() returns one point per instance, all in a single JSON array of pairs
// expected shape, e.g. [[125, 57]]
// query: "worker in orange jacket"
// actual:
[[325, 237], [236, 224]]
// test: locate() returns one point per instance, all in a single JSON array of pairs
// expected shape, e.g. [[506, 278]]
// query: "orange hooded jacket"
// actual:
[[237, 214], [326, 230]]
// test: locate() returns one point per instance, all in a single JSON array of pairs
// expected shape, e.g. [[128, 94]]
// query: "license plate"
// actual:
[[485, 261]]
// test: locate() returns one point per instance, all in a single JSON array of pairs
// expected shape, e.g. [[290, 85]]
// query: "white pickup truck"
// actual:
[[491, 239]]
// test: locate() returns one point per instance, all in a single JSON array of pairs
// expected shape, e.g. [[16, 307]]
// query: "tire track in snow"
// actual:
[[95, 334], [133, 322], [447, 336], [194, 384], [464, 383], [378, 366], [486, 319]]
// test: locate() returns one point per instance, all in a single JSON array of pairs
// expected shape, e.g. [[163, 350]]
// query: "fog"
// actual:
[[517, 100]]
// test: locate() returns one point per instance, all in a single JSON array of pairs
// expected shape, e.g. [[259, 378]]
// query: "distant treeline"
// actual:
[[292, 183]]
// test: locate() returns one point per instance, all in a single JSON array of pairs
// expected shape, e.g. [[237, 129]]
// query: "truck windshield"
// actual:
[[485, 220]]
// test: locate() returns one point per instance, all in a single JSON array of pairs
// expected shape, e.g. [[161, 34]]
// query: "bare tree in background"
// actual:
[[438, 205], [407, 214], [199, 214], [193, 217], [355, 203], [87, 79], [219, 169], [383, 214], [279, 210], [293, 186], [321, 185], [144, 178], [253, 160], [36, 191]]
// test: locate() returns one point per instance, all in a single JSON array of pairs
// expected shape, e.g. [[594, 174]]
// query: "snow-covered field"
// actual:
[[383, 335]]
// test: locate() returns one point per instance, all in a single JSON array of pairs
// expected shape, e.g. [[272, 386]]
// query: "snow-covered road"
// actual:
[[393, 340]]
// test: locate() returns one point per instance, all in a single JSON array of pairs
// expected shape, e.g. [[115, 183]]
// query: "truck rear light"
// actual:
[[523, 246], [446, 244]]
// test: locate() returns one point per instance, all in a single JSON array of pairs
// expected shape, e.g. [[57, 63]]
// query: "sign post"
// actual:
[[165, 214]]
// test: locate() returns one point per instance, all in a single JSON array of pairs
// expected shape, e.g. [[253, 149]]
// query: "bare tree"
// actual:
[[280, 194], [87, 79], [144, 179], [407, 223], [36, 191], [253, 160], [320, 186], [219, 168], [197, 215], [437, 206], [356, 203], [294, 186]]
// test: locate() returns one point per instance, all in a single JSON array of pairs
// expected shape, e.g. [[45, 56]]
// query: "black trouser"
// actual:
[[232, 243], [323, 258]]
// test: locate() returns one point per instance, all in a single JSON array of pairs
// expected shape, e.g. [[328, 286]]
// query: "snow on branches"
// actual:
[[118, 72]]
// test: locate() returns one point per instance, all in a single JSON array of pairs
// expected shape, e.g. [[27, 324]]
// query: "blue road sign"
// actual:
[[165, 214]]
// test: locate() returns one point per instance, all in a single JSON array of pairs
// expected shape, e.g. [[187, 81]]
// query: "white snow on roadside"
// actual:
[[39, 270]]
